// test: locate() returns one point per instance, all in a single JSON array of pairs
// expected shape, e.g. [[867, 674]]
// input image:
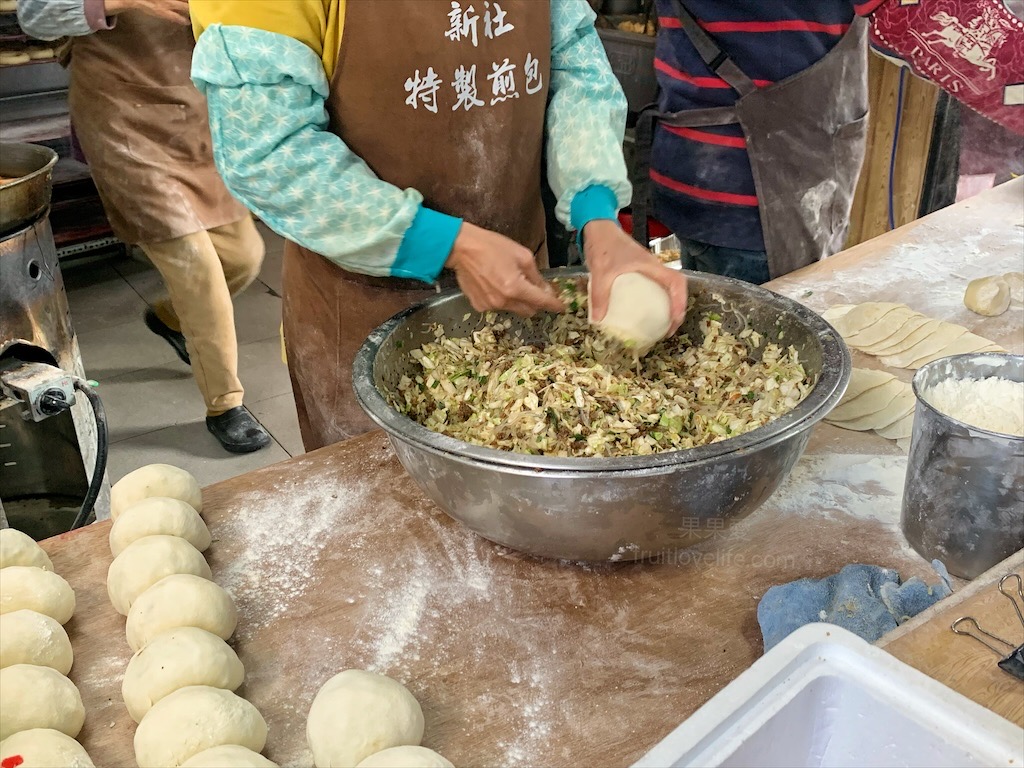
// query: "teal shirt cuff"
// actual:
[[595, 202], [426, 245]]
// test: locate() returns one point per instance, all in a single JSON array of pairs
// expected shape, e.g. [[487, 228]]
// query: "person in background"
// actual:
[[759, 133], [757, 140], [143, 128], [397, 146]]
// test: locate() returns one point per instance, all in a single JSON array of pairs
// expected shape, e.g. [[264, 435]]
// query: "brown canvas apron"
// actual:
[[145, 131], [805, 136], [482, 164]]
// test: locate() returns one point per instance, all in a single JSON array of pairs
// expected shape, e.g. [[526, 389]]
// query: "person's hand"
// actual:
[[610, 252], [497, 273], [169, 10]]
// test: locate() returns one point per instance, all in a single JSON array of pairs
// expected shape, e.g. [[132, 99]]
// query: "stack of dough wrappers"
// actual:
[[899, 337]]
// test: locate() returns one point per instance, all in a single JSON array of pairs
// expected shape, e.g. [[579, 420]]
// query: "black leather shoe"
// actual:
[[172, 337], [238, 431]]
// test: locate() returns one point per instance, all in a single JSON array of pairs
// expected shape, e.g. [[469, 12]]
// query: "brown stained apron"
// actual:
[[482, 165], [145, 131], [806, 138]]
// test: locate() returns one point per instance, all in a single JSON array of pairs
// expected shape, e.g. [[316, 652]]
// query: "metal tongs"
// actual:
[[1011, 658]]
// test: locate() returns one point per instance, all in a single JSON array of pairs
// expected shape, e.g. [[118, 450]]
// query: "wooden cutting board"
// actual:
[[928, 643]]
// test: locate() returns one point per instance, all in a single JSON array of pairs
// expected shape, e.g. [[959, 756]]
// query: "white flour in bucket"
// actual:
[[994, 404]]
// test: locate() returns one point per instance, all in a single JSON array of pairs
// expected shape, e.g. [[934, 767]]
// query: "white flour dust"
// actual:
[[869, 487], [993, 404], [277, 545]]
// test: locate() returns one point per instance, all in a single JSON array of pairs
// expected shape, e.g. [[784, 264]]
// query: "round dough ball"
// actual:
[[43, 748], [158, 516], [144, 562], [177, 659], [989, 296], [29, 637], [154, 480], [22, 586], [639, 312], [17, 548], [228, 756], [356, 714], [194, 719], [38, 697], [406, 757], [182, 600], [1015, 281]]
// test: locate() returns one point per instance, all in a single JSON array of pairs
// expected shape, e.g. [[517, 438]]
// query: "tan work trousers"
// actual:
[[202, 271]]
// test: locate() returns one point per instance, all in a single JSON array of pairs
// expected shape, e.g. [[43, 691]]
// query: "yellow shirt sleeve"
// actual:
[[316, 23]]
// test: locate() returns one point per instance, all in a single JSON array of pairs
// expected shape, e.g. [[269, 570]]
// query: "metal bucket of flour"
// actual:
[[963, 502]]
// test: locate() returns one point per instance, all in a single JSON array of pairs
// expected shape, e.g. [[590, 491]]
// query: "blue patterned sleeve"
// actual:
[[266, 95], [585, 122]]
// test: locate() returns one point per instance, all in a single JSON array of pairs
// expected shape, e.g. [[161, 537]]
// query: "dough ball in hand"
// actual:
[[639, 312], [181, 600], [43, 748], [30, 637], [45, 592], [145, 562], [989, 296], [193, 719], [154, 480], [38, 697], [406, 757], [158, 516], [17, 548], [356, 714]]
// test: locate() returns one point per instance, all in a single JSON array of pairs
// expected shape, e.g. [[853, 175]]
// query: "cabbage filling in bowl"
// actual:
[[558, 387]]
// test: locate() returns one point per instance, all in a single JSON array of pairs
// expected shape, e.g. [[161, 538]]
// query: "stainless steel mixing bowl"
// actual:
[[591, 509]]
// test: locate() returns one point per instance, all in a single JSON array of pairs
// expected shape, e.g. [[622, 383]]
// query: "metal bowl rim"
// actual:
[[827, 392], [921, 372], [52, 158]]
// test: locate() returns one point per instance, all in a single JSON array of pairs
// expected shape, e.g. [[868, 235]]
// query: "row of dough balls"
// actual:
[[360, 719], [41, 710], [179, 686]]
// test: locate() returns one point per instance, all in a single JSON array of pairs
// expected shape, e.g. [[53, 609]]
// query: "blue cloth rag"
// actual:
[[865, 599]]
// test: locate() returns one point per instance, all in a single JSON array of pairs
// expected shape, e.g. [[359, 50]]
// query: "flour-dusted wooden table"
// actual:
[[336, 560]]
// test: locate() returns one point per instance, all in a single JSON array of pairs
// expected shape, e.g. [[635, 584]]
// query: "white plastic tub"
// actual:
[[824, 697]]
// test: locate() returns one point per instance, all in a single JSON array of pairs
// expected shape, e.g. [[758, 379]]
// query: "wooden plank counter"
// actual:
[[336, 560]]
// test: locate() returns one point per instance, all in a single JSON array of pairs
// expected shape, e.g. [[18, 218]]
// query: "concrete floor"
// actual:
[[154, 411]]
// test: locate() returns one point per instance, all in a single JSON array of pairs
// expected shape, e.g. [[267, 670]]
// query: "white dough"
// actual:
[[862, 316], [43, 748], [228, 756], [182, 600], [42, 591], [989, 296], [902, 405], [29, 637], [17, 548], [639, 312], [969, 342], [356, 714], [156, 516], [889, 324], [147, 560], [38, 697], [154, 480], [194, 719], [1015, 281], [943, 336], [177, 659], [871, 401], [406, 757]]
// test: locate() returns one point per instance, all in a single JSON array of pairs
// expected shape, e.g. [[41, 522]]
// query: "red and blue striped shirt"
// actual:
[[701, 177]]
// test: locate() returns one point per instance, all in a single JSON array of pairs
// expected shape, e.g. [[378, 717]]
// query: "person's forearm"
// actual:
[[51, 19], [274, 151], [586, 120]]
